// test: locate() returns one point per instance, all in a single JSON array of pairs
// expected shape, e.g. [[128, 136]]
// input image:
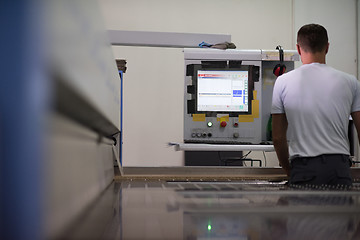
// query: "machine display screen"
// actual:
[[223, 91]]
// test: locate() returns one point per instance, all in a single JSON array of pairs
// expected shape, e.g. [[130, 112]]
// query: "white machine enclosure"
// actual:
[[251, 128]]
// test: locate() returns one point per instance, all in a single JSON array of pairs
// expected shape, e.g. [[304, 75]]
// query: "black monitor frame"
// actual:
[[230, 113]]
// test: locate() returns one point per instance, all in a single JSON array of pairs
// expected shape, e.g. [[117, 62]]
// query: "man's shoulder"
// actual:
[[341, 73], [288, 75]]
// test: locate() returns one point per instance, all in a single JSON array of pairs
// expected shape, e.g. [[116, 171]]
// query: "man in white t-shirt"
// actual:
[[310, 110]]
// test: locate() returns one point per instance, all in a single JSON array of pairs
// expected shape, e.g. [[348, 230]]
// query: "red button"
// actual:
[[236, 124], [223, 124]]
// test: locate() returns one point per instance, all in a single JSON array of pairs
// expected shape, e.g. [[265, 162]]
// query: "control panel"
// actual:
[[228, 94]]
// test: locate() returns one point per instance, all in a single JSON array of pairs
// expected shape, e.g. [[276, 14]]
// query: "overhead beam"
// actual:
[[164, 39]]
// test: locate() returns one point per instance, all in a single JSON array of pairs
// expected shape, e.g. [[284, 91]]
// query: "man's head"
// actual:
[[313, 38]]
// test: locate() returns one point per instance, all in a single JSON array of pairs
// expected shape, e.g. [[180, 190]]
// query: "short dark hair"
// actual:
[[312, 38]]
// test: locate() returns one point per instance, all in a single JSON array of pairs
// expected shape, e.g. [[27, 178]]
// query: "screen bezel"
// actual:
[[231, 113]]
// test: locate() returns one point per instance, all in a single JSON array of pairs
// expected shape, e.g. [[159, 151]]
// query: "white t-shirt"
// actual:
[[317, 100]]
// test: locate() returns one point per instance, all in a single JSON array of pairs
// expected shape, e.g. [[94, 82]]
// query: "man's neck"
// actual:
[[308, 58]]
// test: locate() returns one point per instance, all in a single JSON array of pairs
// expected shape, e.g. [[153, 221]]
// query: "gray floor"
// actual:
[[219, 210]]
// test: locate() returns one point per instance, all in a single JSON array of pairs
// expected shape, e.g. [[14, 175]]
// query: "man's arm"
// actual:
[[356, 119], [279, 128]]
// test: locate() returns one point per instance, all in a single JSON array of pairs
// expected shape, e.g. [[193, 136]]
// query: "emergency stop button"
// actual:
[[223, 124]]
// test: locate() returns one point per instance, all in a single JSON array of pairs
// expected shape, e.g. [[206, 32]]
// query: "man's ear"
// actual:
[[327, 48], [298, 49]]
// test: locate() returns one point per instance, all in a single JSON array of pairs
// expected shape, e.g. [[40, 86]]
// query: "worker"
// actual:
[[311, 107]]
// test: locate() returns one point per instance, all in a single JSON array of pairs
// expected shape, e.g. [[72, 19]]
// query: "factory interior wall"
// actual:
[[341, 30], [153, 83]]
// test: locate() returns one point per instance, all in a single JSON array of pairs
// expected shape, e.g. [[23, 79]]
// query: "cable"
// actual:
[[244, 156], [226, 161]]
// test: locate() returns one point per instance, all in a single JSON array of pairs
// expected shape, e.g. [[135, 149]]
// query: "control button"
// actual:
[[209, 134], [209, 124], [236, 135], [204, 134], [193, 135], [223, 124], [236, 124], [198, 134]]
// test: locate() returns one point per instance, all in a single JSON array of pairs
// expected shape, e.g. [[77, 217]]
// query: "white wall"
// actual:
[[252, 23], [339, 18], [153, 105], [153, 84], [257, 24]]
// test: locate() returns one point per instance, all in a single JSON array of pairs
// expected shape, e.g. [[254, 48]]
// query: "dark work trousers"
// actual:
[[327, 169]]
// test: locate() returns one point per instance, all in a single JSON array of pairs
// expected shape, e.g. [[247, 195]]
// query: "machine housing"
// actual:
[[224, 106]]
